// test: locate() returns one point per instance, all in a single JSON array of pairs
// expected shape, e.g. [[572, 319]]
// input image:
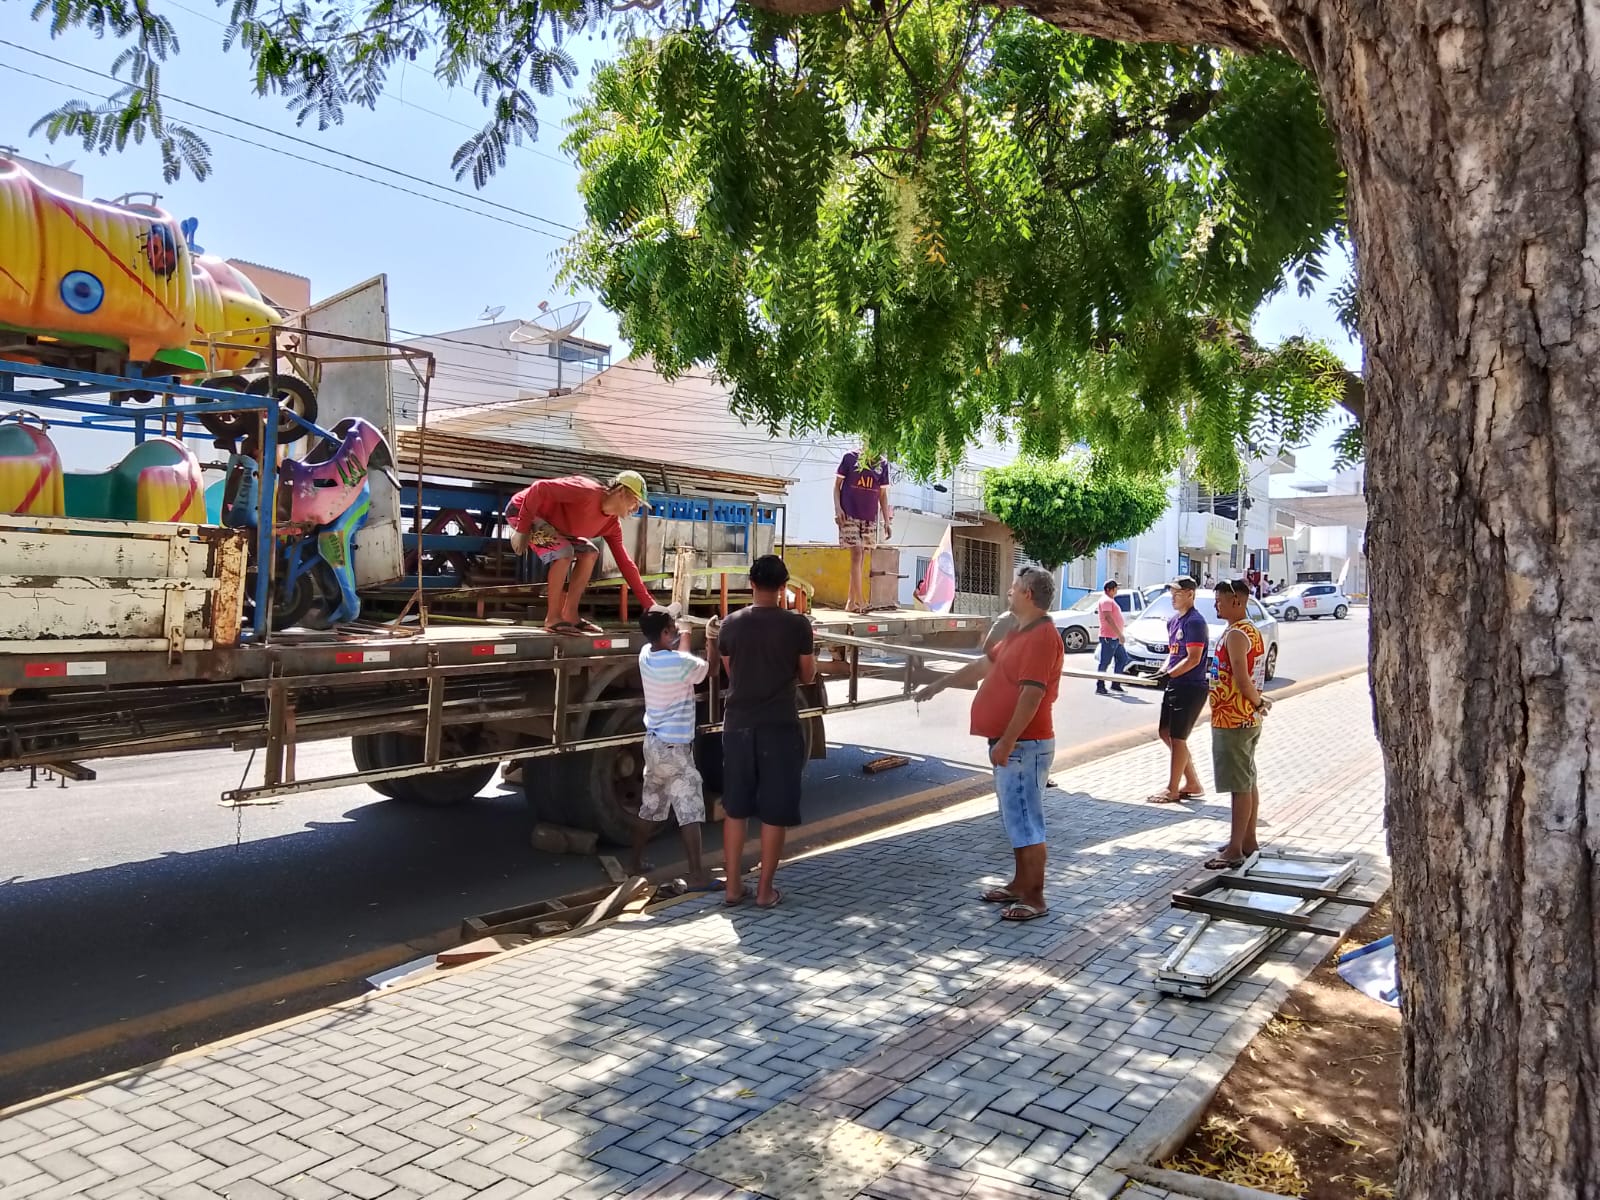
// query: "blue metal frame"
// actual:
[[75, 384]]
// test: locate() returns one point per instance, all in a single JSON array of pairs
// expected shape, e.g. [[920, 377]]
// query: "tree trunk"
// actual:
[[1469, 134]]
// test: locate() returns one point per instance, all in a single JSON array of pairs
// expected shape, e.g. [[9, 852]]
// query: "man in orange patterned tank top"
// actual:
[[1237, 707]]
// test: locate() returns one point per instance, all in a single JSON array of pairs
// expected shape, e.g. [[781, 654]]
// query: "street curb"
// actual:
[[825, 834]]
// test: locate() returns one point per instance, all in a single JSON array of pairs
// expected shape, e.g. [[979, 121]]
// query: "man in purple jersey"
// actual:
[[860, 495]]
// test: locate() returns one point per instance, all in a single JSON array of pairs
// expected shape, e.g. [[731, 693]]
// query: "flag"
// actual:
[[938, 589]]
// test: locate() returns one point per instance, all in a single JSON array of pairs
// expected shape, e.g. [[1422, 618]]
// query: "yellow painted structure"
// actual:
[[116, 277], [30, 471], [827, 570]]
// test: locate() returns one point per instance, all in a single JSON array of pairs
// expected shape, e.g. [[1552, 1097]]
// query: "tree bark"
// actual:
[[1469, 134]]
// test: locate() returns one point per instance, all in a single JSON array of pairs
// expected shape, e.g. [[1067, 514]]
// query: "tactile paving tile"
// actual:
[[792, 1153]]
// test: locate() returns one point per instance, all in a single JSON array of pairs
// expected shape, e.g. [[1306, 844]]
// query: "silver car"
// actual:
[[1147, 636]]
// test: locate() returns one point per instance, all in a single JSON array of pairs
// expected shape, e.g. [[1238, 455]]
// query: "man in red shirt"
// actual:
[[1018, 679], [557, 519]]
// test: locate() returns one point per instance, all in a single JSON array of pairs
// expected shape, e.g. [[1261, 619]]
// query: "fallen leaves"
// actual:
[[1232, 1159]]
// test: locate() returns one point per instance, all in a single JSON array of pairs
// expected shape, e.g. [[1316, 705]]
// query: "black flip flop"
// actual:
[[1019, 911], [777, 899]]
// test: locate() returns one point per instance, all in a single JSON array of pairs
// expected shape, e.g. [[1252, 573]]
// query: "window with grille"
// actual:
[[978, 566]]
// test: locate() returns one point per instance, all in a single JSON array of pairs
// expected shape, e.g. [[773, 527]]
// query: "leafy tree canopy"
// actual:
[[1062, 510], [918, 224]]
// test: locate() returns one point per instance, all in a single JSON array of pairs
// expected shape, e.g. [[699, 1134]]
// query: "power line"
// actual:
[[365, 162], [384, 183]]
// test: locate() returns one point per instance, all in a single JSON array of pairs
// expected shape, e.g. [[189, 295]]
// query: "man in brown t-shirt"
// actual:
[[1018, 678]]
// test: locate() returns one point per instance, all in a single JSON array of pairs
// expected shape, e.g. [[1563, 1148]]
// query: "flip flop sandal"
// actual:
[[1022, 912], [777, 899], [999, 896], [1221, 863], [589, 627], [1191, 795], [735, 901], [564, 629], [1163, 798]]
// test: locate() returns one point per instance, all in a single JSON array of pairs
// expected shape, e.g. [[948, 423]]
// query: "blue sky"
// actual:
[[444, 265]]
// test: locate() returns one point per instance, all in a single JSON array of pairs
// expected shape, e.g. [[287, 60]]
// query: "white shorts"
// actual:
[[671, 783]]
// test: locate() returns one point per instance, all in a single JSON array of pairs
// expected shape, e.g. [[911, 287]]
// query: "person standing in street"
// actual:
[[1237, 707], [1113, 638], [860, 497], [1018, 679], [668, 673], [768, 653], [1186, 680]]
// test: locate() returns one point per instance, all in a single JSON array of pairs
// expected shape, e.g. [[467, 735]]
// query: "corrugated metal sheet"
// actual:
[[453, 456]]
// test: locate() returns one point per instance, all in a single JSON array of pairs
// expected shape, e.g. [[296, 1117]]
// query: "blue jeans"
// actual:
[[1020, 786], [1113, 649]]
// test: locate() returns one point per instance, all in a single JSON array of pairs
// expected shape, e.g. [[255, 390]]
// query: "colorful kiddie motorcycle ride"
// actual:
[[323, 501]]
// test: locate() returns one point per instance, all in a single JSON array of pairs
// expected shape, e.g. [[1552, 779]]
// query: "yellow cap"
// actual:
[[633, 481]]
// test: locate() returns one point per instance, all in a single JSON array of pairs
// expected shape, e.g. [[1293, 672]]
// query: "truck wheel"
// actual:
[[603, 788], [363, 749], [446, 787]]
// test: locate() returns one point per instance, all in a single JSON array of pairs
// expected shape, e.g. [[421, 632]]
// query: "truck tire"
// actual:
[[445, 787], [600, 790], [363, 749]]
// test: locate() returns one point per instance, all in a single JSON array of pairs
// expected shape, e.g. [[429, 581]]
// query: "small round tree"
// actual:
[[1064, 510]]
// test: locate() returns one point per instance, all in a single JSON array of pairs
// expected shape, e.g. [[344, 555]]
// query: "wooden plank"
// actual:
[[613, 869], [887, 763], [613, 903], [483, 948]]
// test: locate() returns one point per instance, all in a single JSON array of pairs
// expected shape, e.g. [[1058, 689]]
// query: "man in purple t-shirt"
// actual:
[[860, 495], [1187, 680]]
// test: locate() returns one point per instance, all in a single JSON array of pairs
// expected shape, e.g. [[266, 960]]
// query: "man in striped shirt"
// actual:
[[668, 674]]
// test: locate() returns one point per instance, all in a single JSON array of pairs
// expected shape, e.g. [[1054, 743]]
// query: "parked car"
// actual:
[[1314, 600], [1147, 636], [1079, 623]]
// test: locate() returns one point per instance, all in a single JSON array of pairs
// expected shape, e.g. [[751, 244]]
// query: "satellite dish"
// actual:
[[492, 314], [551, 324]]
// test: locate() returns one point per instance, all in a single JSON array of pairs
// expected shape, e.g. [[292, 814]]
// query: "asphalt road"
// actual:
[[136, 892]]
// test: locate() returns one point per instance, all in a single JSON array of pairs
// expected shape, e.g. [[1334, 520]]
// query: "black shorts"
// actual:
[[1180, 709], [761, 769]]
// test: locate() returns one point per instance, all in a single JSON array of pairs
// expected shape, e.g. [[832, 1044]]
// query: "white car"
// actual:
[[1147, 636], [1079, 623], [1314, 600]]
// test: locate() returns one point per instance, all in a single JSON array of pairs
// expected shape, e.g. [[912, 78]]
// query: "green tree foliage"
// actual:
[[951, 221], [1064, 510], [920, 224]]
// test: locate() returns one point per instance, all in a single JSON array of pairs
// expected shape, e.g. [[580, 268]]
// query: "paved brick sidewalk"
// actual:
[[879, 1035]]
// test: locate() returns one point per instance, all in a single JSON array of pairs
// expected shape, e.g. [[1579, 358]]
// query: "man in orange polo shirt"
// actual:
[[1018, 678]]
